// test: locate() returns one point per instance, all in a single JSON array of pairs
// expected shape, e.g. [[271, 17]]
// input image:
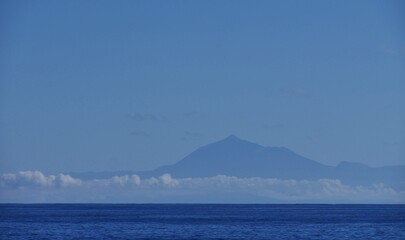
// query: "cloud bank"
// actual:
[[34, 186]]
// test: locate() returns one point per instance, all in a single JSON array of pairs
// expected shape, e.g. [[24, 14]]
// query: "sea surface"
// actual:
[[201, 221]]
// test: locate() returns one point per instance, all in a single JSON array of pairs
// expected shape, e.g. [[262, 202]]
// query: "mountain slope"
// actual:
[[235, 157]]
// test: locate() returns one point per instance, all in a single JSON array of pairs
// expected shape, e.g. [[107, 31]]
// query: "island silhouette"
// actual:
[[233, 156]]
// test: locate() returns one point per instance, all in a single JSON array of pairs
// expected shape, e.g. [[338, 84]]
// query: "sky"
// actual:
[[134, 85]]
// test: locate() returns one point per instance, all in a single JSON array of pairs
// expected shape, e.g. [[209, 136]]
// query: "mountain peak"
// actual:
[[232, 137], [233, 140], [237, 157]]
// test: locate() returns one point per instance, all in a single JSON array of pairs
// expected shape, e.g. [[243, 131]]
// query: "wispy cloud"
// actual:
[[34, 186], [298, 91], [146, 117], [189, 135], [140, 133], [191, 113], [393, 50]]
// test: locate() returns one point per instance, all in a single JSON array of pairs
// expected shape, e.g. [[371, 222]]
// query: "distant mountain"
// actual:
[[236, 157]]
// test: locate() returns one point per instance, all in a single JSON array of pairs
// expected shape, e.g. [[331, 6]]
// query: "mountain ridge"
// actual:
[[233, 156]]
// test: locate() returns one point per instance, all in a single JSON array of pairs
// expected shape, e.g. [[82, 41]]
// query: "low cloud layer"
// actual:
[[34, 186]]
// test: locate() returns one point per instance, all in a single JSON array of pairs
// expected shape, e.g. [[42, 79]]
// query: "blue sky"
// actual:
[[133, 85]]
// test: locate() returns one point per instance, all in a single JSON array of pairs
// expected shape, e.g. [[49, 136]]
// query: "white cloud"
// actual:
[[37, 178], [27, 179], [34, 186], [168, 180], [135, 179], [68, 181]]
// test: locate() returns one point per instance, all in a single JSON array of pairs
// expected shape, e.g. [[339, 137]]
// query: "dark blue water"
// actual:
[[201, 221]]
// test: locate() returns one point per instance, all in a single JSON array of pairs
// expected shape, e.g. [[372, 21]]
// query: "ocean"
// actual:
[[201, 221]]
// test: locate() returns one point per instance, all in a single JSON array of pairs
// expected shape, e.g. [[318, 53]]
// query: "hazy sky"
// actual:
[[133, 85]]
